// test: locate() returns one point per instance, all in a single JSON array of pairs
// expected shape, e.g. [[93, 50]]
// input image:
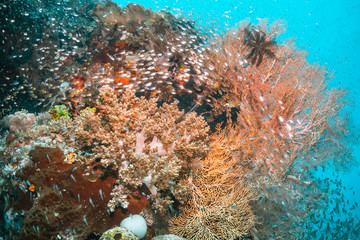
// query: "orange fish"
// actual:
[[123, 80], [129, 64], [120, 44], [32, 188]]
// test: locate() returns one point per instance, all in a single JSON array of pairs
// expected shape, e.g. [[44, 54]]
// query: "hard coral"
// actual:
[[145, 144], [154, 52], [107, 17]]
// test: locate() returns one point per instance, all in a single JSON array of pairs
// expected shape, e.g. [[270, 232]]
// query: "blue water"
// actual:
[[328, 30]]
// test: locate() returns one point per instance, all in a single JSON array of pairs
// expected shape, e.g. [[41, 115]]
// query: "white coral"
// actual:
[[119, 198]]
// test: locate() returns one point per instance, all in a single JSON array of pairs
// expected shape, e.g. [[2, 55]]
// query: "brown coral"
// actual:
[[111, 14], [145, 144]]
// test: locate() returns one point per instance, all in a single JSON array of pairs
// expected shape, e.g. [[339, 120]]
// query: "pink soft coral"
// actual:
[[21, 121]]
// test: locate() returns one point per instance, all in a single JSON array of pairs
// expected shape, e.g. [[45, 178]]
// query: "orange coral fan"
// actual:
[[215, 212], [284, 112], [219, 206]]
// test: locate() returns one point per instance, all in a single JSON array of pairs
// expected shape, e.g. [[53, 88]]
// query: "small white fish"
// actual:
[[91, 202], [22, 188], [101, 195], [72, 177]]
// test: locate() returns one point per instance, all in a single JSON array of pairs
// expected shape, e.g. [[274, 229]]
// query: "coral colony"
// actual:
[[141, 123]]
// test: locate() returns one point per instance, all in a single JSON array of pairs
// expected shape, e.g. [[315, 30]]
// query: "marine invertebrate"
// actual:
[[32, 63], [284, 122], [112, 15], [58, 111], [145, 144], [259, 45], [153, 52], [66, 198], [219, 207], [215, 212], [280, 109], [21, 121]]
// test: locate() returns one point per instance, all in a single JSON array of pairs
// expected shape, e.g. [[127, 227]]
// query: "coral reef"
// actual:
[[43, 41], [283, 118], [59, 111], [48, 183], [205, 135], [219, 207], [94, 44], [133, 14], [155, 53]]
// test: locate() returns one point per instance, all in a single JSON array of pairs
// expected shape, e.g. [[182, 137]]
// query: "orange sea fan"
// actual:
[[215, 212], [284, 112], [219, 207]]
